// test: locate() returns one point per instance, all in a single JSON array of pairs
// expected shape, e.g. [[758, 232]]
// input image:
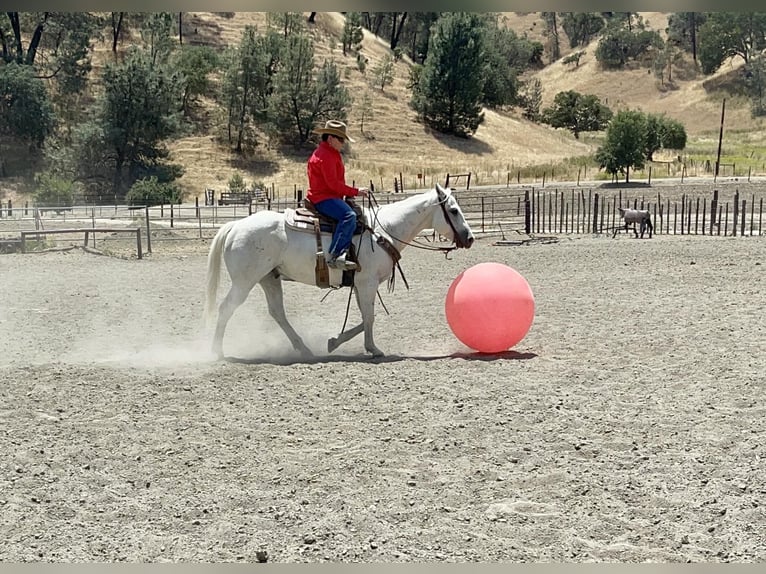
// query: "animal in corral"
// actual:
[[262, 249], [635, 216]]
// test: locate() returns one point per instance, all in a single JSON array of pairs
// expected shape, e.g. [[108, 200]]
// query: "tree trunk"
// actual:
[[34, 43], [14, 18], [694, 37], [4, 46], [116, 29], [395, 37], [377, 24], [245, 93], [180, 28], [312, 17]]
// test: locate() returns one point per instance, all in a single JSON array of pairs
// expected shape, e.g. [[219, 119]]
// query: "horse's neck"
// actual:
[[404, 220]]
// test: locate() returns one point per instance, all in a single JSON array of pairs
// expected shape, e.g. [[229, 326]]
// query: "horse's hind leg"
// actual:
[[365, 298], [272, 287], [234, 298]]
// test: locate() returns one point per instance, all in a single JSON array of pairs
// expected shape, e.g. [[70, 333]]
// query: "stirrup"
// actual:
[[340, 262]]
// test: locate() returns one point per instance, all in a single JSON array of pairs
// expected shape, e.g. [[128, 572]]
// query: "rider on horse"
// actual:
[[327, 188]]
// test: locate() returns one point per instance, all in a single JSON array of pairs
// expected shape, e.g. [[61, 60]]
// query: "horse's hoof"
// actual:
[[377, 354]]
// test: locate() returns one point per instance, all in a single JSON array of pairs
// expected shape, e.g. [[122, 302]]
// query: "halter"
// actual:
[[446, 250]]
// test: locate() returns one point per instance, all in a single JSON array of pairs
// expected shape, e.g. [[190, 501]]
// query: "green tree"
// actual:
[[531, 99], [730, 34], [25, 110], [248, 83], [506, 56], [151, 191], [574, 58], [663, 62], [617, 46], [365, 110], [352, 33], [26, 114], [138, 110], [196, 63], [57, 44], [581, 27], [683, 28], [756, 83], [624, 145], [287, 23], [577, 112], [383, 72], [663, 133], [451, 87], [157, 34], [302, 98], [552, 32], [53, 190]]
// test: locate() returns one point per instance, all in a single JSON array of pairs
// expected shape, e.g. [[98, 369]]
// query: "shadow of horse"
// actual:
[[366, 359]]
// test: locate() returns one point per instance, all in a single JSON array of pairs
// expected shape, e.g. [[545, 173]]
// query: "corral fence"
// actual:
[[596, 211], [497, 212]]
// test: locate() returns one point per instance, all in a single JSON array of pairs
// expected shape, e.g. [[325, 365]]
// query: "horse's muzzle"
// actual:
[[466, 243]]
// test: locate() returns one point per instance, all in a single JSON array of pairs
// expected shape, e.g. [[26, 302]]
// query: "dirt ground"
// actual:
[[626, 427]]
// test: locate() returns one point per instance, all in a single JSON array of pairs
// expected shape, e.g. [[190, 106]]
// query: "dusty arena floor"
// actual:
[[628, 426]]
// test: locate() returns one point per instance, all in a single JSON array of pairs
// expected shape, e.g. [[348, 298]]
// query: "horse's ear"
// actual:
[[441, 193]]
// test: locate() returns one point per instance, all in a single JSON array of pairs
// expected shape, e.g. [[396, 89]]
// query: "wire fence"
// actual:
[[498, 211]]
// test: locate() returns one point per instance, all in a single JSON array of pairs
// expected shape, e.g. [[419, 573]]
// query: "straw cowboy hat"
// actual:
[[335, 128]]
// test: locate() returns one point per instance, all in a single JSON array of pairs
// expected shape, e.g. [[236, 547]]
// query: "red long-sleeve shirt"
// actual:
[[327, 175]]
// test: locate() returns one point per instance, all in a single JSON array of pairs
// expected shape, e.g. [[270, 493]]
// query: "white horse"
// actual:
[[262, 249], [640, 216]]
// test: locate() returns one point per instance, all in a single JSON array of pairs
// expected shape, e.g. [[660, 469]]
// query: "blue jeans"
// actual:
[[345, 217]]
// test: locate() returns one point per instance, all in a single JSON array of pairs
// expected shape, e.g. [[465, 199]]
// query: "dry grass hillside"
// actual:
[[392, 142]]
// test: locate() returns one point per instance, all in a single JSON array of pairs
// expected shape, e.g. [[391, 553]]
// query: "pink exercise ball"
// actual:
[[490, 307]]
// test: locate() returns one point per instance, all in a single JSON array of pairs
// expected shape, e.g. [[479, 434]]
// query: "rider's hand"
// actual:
[[363, 192]]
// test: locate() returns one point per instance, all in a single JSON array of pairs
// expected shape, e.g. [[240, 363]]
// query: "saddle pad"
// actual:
[[300, 219]]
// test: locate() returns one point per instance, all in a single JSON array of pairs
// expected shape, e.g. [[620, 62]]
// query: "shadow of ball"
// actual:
[[490, 307]]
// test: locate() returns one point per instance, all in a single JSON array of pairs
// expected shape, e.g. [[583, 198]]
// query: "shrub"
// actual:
[[53, 190], [152, 192]]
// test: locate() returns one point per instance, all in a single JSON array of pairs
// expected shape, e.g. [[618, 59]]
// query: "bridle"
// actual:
[[446, 250]]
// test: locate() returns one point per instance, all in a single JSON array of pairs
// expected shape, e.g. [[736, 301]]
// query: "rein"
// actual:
[[416, 244]]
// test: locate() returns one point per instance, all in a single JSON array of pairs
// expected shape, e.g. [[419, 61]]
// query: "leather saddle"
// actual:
[[307, 218]]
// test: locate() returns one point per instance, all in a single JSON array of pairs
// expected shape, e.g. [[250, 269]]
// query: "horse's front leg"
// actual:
[[335, 342], [365, 298]]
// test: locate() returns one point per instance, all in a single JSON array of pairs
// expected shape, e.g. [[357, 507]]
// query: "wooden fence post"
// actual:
[[595, 213], [148, 231], [527, 213]]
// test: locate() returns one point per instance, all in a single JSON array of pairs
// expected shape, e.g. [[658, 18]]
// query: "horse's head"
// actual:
[[449, 221]]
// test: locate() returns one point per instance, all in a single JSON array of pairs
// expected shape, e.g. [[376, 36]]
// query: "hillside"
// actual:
[[392, 142]]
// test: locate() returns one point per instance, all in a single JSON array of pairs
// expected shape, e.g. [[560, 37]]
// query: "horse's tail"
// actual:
[[214, 269]]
